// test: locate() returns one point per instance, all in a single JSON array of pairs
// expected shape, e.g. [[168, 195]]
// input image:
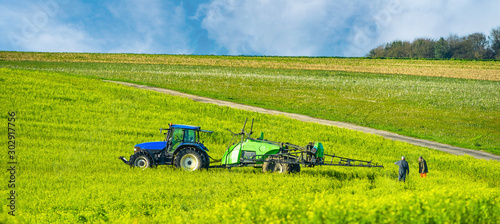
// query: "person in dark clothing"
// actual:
[[403, 169], [422, 167]]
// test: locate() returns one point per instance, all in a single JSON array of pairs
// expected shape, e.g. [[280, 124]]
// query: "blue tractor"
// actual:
[[182, 148]]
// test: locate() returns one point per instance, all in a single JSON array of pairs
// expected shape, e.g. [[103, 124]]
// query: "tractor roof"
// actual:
[[185, 126], [189, 127]]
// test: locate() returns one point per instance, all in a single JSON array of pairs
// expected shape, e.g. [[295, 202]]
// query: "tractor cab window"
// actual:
[[177, 136], [190, 136]]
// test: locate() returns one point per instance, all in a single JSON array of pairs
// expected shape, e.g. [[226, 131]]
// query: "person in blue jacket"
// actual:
[[404, 169]]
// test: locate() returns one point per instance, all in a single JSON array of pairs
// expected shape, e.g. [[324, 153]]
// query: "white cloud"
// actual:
[[155, 27], [339, 28], [260, 27], [60, 38], [435, 19], [279, 27], [36, 27], [429, 19], [126, 26]]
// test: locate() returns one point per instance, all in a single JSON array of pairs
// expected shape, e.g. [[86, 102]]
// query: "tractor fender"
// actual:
[[184, 145]]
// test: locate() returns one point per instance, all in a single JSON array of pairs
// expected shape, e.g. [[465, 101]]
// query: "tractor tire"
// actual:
[[207, 161], [287, 168], [295, 168], [282, 168], [268, 166], [190, 159], [274, 167], [141, 160]]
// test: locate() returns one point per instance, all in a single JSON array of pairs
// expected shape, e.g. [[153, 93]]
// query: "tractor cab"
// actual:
[[178, 135]]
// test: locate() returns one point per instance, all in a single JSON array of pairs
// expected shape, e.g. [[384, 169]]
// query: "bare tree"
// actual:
[[460, 47], [477, 43], [495, 41]]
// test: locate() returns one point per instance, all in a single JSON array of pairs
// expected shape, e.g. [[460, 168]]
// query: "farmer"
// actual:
[[422, 167], [403, 168]]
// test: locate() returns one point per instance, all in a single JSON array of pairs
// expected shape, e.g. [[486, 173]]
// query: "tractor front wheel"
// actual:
[[190, 159], [141, 160]]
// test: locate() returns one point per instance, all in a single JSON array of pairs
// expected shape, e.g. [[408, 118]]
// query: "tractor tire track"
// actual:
[[389, 135]]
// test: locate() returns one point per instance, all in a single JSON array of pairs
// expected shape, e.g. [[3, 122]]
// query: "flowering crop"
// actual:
[[71, 131]]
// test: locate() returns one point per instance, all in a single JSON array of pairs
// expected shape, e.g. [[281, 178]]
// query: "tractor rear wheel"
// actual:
[[141, 160], [207, 161], [190, 159]]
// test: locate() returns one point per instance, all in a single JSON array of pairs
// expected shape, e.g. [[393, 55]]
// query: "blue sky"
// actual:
[[235, 27]]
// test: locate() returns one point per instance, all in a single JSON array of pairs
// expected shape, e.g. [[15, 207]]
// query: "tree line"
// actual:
[[472, 46]]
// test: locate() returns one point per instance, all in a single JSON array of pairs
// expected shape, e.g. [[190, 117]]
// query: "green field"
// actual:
[[480, 70], [71, 129], [460, 112]]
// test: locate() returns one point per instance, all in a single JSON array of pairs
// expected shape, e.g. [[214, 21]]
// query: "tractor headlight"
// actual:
[[136, 149]]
